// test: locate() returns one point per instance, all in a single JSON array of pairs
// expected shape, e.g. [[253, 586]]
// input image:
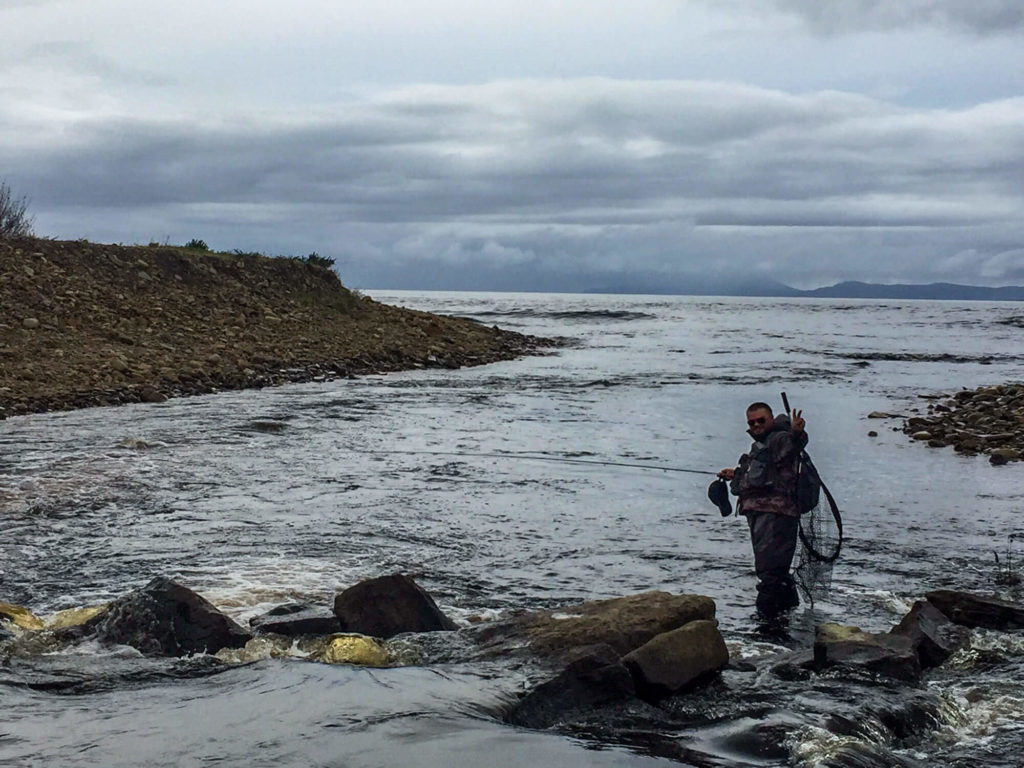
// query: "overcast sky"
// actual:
[[552, 144]]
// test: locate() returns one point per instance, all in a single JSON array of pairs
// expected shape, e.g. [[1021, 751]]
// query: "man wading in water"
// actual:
[[765, 482]]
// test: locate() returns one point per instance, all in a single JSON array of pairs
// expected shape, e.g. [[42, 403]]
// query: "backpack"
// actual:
[[808, 484]]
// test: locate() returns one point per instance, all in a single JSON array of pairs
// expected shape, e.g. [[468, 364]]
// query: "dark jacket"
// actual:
[[765, 479]]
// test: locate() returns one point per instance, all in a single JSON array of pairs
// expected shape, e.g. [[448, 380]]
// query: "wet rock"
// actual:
[[305, 621], [931, 633], [73, 617], [268, 425], [594, 678], [986, 420], [677, 660], [387, 606], [891, 656], [623, 623], [151, 395], [165, 618], [20, 617], [346, 648], [977, 611]]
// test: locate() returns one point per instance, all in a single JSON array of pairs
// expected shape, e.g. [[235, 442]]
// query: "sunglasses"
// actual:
[[757, 422]]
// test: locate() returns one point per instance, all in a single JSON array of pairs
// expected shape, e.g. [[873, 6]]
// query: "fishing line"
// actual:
[[560, 459]]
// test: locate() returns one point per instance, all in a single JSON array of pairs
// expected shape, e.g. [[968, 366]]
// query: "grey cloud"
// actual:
[[566, 181], [82, 59], [981, 17]]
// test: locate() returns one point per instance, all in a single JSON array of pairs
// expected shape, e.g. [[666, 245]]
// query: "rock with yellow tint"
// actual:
[[20, 617], [360, 650], [73, 617]]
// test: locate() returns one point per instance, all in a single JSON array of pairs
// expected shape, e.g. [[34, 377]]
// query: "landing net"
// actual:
[[821, 539]]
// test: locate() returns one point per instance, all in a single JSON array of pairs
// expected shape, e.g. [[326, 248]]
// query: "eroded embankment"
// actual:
[[83, 324]]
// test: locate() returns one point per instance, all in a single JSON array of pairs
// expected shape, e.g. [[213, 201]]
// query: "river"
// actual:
[[256, 498]]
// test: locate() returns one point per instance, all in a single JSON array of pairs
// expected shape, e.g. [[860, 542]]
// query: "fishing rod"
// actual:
[[534, 457]]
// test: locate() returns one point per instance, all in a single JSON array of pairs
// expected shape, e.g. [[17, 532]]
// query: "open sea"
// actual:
[[256, 498]]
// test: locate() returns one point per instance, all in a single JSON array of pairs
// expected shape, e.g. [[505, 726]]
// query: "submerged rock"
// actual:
[[623, 623], [677, 660], [22, 618], [307, 620], [593, 678], [977, 611], [165, 618], [387, 606], [892, 656]]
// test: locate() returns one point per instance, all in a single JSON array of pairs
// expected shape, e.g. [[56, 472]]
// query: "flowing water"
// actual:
[[261, 497]]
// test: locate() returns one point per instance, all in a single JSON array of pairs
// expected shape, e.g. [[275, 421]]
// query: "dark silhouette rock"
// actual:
[[624, 623], [677, 660], [932, 634], [165, 618], [892, 656], [977, 611], [387, 606], [593, 678], [306, 620], [151, 395]]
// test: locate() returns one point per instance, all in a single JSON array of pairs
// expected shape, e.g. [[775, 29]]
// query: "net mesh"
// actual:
[[821, 539]]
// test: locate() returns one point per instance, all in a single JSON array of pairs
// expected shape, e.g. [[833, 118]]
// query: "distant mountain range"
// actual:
[[857, 290], [844, 290]]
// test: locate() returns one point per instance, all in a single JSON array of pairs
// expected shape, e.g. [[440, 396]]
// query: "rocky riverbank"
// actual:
[[987, 420], [84, 324]]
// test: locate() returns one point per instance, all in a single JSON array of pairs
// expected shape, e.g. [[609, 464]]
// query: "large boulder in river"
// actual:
[[623, 623], [677, 660], [387, 606], [165, 618], [854, 650], [931, 633], [977, 611]]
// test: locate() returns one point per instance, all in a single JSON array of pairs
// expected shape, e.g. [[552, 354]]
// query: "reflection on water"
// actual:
[[258, 498]]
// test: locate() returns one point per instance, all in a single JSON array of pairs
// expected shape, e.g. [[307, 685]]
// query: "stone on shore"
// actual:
[[850, 648], [165, 618], [931, 633], [977, 611], [623, 623], [987, 420], [677, 660], [387, 606]]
